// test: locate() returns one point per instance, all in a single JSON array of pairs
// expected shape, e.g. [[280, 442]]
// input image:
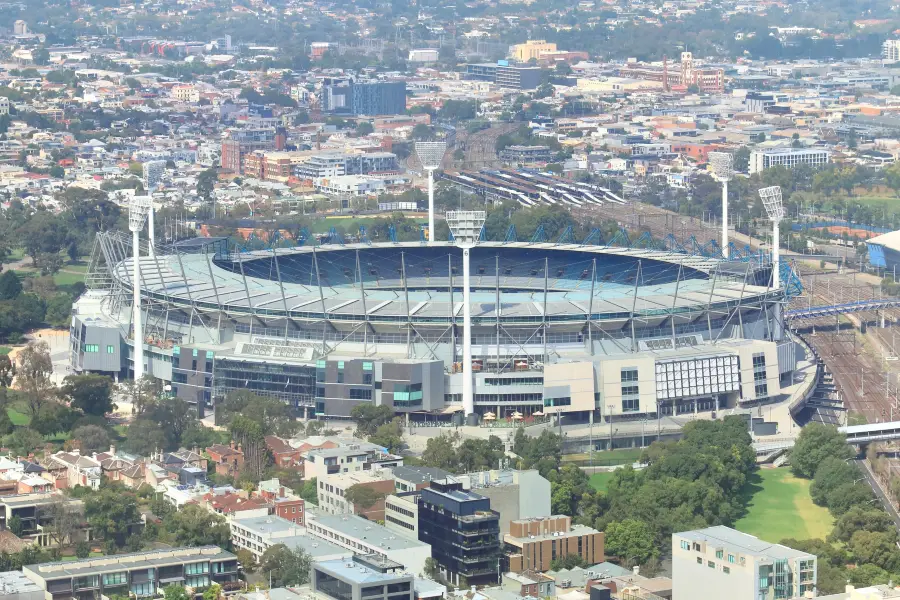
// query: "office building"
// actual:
[[532, 544], [532, 49], [424, 55], [361, 536], [761, 160], [365, 98], [463, 533], [153, 173], [719, 562], [513, 494], [763, 102], [401, 514], [372, 577], [413, 479], [890, 50], [333, 164], [505, 74], [526, 154], [142, 574]]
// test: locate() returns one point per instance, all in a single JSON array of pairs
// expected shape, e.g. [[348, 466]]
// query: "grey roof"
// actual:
[[136, 560], [358, 573], [15, 582], [267, 525], [744, 542], [315, 547], [419, 474], [372, 533]]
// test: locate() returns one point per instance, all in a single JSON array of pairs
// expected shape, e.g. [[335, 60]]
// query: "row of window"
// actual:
[[397, 521], [94, 348]]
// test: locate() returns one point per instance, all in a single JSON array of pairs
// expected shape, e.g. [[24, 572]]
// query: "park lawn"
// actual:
[[779, 506], [18, 418], [600, 481], [619, 456], [4, 350]]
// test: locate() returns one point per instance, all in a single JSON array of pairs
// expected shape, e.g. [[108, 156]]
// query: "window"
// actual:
[[115, 578], [696, 547], [629, 374], [632, 405], [685, 545], [731, 558], [360, 394], [334, 587], [762, 390], [367, 378], [726, 570], [719, 554], [699, 560], [110, 349], [558, 401], [710, 564], [92, 347]]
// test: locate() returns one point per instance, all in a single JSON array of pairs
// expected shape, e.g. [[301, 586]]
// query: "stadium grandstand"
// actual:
[[557, 327]]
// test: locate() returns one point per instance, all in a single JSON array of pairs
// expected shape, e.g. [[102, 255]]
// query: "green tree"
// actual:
[[831, 474], [213, 592], [92, 394], [389, 435], [362, 496], [206, 182], [309, 492], [247, 560], [195, 526], [816, 443], [82, 549], [15, 525], [92, 438], [144, 436], [112, 512], [174, 591], [860, 518], [285, 567], [369, 418], [10, 286], [569, 561], [364, 128], [632, 541]]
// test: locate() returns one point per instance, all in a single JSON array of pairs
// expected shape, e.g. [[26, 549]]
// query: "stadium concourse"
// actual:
[[579, 330]]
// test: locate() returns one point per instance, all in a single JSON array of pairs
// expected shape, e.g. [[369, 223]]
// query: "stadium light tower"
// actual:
[[723, 170], [430, 155], [137, 214], [466, 228], [772, 202]]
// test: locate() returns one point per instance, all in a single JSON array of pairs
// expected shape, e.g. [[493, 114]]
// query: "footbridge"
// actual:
[[813, 312]]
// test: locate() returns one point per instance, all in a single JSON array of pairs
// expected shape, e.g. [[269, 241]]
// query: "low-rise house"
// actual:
[[229, 460]]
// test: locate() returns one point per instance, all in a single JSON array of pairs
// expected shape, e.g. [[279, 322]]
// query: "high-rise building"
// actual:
[[154, 170], [365, 98], [463, 533], [20, 27], [890, 50], [719, 562]]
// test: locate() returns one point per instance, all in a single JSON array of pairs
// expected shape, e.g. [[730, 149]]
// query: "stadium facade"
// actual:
[[557, 328]]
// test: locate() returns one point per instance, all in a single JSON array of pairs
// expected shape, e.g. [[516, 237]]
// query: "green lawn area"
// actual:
[[620, 456], [18, 418], [65, 279], [600, 481], [4, 350], [779, 507]]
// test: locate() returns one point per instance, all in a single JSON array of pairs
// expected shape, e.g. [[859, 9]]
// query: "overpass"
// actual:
[[873, 432], [813, 312]]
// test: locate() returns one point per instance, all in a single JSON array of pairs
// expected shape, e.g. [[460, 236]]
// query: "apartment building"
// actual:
[[258, 534], [366, 537], [719, 562], [401, 514], [139, 575], [4, 105], [463, 533], [334, 164], [533, 544], [761, 160], [350, 458], [331, 494]]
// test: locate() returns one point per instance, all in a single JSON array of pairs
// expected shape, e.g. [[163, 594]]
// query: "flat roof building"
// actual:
[[140, 575], [761, 160], [720, 562], [15, 586], [372, 577], [258, 534], [366, 537], [532, 544]]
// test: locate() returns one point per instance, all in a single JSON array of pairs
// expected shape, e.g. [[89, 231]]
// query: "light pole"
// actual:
[[466, 228], [137, 214], [723, 170], [772, 202], [151, 228], [430, 155], [610, 407]]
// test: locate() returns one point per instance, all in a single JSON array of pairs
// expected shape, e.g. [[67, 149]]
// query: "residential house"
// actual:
[[229, 460]]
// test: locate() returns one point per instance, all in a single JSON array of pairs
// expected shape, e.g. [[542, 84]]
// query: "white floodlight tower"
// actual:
[[723, 170], [430, 155], [466, 228], [772, 202], [137, 214]]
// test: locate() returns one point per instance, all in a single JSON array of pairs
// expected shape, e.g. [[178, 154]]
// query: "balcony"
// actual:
[[59, 586]]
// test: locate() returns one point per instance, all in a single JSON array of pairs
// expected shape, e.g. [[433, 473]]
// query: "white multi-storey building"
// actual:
[[890, 50], [787, 157]]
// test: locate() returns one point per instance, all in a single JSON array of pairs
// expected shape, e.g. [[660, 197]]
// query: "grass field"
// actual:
[[67, 279], [600, 481], [621, 456], [4, 350], [17, 417], [779, 507]]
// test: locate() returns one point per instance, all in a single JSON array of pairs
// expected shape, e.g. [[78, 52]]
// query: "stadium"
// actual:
[[619, 329]]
